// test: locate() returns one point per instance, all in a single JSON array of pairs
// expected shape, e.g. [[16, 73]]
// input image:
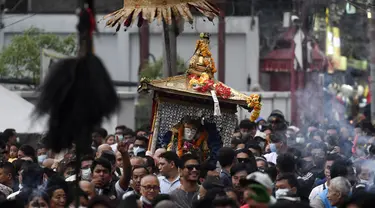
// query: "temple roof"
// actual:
[[179, 85]]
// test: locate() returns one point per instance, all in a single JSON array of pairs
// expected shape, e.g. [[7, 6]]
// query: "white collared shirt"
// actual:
[[166, 186]]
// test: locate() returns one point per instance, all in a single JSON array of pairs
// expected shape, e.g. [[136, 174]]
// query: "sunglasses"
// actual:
[[191, 167], [243, 160]]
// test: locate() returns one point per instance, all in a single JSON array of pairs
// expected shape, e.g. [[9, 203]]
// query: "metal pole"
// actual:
[[221, 48], [371, 35]]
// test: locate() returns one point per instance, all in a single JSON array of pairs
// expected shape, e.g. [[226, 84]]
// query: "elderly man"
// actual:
[[338, 192], [150, 188], [101, 148]]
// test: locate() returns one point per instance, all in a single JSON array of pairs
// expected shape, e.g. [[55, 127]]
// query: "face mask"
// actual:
[[138, 150], [86, 174], [281, 193], [189, 134], [300, 140], [273, 147], [41, 158], [120, 137]]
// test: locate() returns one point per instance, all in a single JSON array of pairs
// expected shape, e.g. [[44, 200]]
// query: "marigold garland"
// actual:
[[203, 83], [254, 102], [196, 144]]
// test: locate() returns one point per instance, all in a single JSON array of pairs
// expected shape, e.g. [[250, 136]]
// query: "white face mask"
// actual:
[[300, 140], [281, 193], [137, 150], [120, 137], [86, 174], [189, 134]]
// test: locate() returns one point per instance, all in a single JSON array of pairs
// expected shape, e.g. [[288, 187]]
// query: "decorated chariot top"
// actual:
[[199, 82]]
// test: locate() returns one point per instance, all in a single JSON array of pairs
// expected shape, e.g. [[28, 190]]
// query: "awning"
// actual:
[[281, 59]]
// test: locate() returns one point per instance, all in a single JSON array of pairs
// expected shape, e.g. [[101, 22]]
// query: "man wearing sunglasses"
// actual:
[[188, 191]]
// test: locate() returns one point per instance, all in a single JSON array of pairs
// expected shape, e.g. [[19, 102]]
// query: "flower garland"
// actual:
[[181, 144], [254, 102], [203, 84]]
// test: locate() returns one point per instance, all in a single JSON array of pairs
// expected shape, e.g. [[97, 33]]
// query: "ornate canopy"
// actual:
[[149, 10]]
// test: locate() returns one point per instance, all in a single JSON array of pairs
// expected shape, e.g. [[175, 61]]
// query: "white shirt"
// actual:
[[271, 157], [166, 186], [114, 147], [317, 190]]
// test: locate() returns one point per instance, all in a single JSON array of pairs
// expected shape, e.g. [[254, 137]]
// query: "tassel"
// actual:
[[77, 94]]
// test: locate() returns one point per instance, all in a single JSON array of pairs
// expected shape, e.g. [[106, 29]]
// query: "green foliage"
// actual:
[[21, 58], [155, 70]]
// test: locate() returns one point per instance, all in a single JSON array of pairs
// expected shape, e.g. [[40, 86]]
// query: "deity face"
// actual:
[[189, 132]]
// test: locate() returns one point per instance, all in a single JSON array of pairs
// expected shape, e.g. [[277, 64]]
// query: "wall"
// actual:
[[120, 52], [125, 116]]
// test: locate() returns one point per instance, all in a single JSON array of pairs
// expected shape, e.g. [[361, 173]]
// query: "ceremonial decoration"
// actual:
[[254, 102], [167, 10], [183, 118]]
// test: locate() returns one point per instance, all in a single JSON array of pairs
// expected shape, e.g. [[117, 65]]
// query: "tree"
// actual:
[[21, 58], [155, 70]]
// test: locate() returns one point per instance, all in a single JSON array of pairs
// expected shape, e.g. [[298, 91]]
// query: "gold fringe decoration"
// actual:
[[149, 10]]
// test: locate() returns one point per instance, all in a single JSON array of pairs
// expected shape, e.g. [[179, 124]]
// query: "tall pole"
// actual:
[[170, 50], [144, 41], [371, 36], [221, 48]]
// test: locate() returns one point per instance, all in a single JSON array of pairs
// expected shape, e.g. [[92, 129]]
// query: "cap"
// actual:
[[260, 134], [260, 178]]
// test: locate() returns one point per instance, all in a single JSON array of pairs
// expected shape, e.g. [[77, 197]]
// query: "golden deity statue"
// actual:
[[202, 61]]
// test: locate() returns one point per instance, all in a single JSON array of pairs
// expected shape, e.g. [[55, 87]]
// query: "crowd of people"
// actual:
[[269, 164]]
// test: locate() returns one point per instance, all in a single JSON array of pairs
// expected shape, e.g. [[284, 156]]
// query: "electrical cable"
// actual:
[[18, 21]]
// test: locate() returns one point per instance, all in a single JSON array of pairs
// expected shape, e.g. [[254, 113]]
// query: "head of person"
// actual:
[[138, 162], [100, 202], [277, 121], [101, 148], [86, 162], [57, 190], [247, 128], [245, 156], [338, 191], [191, 128], [9, 136], [260, 139], [226, 157], [208, 169], [232, 194], [119, 162], [330, 159], [31, 175], [239, 172], [209, 184], [332, 130], [41, 153], [38, 199], [343, 168], [7, 173], [317, 136], [110, 139], [66, 167], [286, 163], [13, 151], [150, 165], [150, 187], [318, 152], [190, 168], [255, 149], [26, 151], [286, 185], [157, 154], [101, 170], [257, 189], [278, 143], [110, 156], [89, 190], [98, 136], [168, 164], [140, 146], [138, 173], [262, 164]]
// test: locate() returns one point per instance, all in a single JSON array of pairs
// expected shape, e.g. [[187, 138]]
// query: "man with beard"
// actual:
[[239, 173], [188, 192]]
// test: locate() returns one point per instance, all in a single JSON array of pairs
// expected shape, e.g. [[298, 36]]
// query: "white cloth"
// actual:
[[317, 190], [271, 157], [114, 147], [12, 196], [166, 186]]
